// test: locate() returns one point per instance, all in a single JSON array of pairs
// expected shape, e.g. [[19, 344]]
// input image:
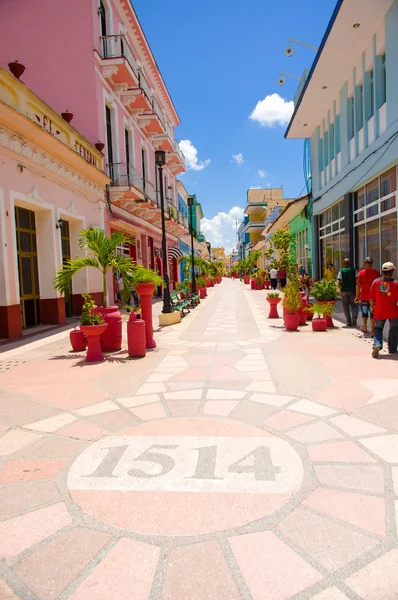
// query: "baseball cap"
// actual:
[[368, 260], [388, 266]]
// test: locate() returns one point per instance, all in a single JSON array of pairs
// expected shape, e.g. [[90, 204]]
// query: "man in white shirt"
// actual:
[[274, 278]]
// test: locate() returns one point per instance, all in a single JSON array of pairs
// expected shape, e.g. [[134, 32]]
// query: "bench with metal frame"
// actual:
[[179, 303]]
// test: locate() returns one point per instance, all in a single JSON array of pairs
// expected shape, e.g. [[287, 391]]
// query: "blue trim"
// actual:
[[314, 64]]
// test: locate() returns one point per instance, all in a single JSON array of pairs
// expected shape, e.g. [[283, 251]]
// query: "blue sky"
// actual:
[[219, 59]]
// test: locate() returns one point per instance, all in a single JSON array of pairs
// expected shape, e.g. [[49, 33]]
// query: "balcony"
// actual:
[[165, 141], [255, 208], [126, 182], [152, 122], [138, 99], [254, 226], [118, 64], [176, 160]]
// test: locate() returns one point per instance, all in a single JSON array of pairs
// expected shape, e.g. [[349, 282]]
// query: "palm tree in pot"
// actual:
[[101, 253]]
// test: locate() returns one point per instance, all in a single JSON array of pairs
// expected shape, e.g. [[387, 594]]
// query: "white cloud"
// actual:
[[220, 231], [238, 159], [191, 156], [256, 187], [261, 173], [273, 110]]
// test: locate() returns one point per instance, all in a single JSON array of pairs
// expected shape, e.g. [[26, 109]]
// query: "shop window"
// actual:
[[360, 245], [388, 182], [372, 191], [359, 198], [373, 241], [389, 238]]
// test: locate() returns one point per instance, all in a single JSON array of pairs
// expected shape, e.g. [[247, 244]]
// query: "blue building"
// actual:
[[243, 239], [347, 107]]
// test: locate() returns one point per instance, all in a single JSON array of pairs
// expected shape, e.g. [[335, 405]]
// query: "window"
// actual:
[[360, 107], [383, 80], [326, 152], [371, 92], [108, 119], [360, 198], [331, 141], [337, 134], [351, 118]]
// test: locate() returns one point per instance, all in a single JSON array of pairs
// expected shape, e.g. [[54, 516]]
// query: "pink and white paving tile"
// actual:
[[231, 463]]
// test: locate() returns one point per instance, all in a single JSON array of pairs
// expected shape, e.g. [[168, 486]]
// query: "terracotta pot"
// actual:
[[319, 324], [111, 341], [67, 116], [100, 146], [93, 334], [145, 292], [77, 340], [267, 284], [273, 310], [332, 303], [16, 68], [291, 321]]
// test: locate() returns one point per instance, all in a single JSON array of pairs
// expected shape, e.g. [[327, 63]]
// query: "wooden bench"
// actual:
[[179, 303]]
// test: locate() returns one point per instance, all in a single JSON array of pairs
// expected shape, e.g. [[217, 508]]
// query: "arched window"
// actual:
[[102, 13]]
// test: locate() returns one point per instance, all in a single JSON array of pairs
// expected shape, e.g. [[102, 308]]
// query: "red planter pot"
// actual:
[[246, 279], [77, 340], [291, 321], [93, 334], [252, 284], [319, 324], [202, 293], [302, 313], [111, 340], [145, 292], [310, 315], [267, 284], [273, 309], [332, 303]]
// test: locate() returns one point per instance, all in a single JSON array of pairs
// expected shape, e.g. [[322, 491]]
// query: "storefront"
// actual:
[[334, 243], [300, 228], [51, 186]]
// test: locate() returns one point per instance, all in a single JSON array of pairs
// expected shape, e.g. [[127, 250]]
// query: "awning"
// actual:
[[291, 211]]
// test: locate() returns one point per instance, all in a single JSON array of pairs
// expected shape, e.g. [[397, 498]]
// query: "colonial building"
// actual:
[[93, 60], [347, 107], [260, 203], [51, 186]]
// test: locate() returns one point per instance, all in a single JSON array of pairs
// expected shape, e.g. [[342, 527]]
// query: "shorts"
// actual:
[[366, 310]]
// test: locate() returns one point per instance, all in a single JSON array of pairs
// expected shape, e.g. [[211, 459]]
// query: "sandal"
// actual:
[[364, 330]]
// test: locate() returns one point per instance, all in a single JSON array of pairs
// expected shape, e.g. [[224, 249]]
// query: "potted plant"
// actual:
[[325, 292], [183, 287], [321, 312], [101, 253], [201, 285], [291, 305], [145, 281], [267, 280], [93, 326], [273, 298]]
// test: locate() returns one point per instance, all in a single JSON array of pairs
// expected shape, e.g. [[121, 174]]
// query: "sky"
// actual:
[[221, 60]]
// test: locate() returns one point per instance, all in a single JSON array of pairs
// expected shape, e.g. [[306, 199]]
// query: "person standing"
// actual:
[[330, 273], [364, 282], [282, 278], [273, 274], [347, 280], [119, 288], [383, 298]]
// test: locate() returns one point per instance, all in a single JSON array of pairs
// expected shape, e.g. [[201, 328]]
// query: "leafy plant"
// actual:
[[291, 298], [183, 286], [101, 254], [321, 310], [200, 282], [199, 262], [273, 295], [88, 317], [143, 275], [324, 290]]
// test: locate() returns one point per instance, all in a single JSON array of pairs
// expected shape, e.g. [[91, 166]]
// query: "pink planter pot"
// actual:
[[319, 324], [252, 284], [291, 321], [267, 284], [273, 309], [111, 340], [77, 340], [93, 334], [332, 303], [145, 292], [202, 293]]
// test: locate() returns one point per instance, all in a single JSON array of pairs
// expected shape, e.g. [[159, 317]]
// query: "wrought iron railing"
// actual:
[[124, 174], [117, 46]]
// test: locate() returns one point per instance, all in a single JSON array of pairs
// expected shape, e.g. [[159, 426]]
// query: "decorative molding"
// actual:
[[19, 146], [34, 194], [71, 208], [121, 87], [109, 71]]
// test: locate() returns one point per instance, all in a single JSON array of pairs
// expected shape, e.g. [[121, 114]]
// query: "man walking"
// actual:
[[273, 275], [364, 282], [383, 298], [347, 280]]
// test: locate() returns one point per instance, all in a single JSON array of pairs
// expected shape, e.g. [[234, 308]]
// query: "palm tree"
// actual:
[[101, 254], [201, 263]]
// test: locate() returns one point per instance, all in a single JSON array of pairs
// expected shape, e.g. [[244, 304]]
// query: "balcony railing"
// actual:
[[117, 46], [158, 110], [124, 174], [143, 83], [150, 191], [182, 220]]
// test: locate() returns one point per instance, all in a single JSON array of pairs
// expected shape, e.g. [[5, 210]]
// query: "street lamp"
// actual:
[[190, 202], [160, 161]]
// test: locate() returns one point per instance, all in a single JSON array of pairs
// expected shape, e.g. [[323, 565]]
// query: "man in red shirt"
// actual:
[[364, 282], [383, 298]]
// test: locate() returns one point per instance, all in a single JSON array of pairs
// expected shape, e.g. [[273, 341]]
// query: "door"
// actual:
[[127, 148], [65, 242], [27, 267]]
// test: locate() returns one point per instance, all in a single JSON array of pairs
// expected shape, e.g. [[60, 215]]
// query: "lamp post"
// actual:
[[190, 204], [160, 160]]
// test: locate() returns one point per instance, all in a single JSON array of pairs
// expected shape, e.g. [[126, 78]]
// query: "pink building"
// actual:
[[91, 58], [51, 186]]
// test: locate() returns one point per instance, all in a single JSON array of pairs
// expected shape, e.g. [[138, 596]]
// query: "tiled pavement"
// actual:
[[236, 461]]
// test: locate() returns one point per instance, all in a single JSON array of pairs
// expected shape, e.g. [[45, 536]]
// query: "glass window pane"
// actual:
[[335, 212], [388, 182], [359, 216], [27, 284], [372, 191], [372, 211], [388, 204], [373, 242], [24, 242], [359, 198], [360, 245], [23, 218], [389, 238]]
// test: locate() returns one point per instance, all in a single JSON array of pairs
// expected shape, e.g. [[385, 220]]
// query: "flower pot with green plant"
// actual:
[[273, 298], [291, 305], [201, 285], [321, 312], [92, 325], [145, 282], [101, 253], [325, 292]]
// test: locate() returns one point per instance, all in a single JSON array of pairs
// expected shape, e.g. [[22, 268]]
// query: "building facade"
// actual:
[[51, 186], [109, 80], [260, 203], [348, 109]]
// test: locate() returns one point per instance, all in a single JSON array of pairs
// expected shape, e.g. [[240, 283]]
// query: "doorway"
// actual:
[[65, 242], [27, 267]]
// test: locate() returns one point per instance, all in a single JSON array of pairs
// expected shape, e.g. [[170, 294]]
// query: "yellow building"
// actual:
[[260, 203]]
